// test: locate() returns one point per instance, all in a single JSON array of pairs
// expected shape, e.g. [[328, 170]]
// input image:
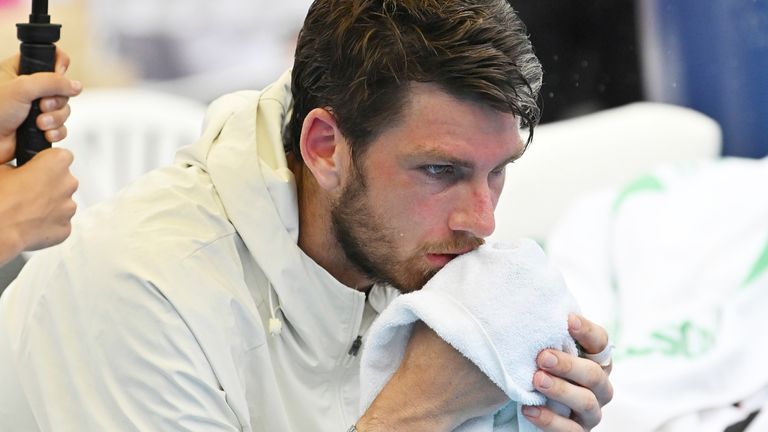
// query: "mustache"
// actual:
[[454, 245]]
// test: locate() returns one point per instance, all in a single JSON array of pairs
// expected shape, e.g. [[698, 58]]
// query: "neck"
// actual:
[[316, 236]]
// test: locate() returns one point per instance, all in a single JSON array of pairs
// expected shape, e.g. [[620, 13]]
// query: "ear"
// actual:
[[324, 148]]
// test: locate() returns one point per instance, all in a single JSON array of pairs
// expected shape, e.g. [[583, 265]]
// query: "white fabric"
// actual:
[[718, 419], [674, 265], [152, 315], [572, 157], [499, 306]]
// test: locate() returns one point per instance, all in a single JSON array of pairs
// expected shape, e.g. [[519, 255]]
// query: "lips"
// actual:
[[441, 259], [444, 257]]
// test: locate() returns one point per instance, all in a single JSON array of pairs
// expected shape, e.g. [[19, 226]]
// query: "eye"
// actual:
[[439, 171], [499, 170]]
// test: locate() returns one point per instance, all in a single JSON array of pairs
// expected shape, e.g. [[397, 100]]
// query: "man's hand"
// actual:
[[435, 389], [17, 94], [36, 203], [35, 200], [578, 383]]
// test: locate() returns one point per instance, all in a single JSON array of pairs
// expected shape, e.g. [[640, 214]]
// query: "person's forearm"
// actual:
[[404, 419], [404, 406], [434, 389]]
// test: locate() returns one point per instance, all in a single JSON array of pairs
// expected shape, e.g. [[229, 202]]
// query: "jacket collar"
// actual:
[[242, 150]]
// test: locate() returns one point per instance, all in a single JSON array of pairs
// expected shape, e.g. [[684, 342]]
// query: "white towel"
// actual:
[[499, 306]]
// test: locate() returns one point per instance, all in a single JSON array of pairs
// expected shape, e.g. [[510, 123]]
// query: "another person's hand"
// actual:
[[435, 388], [18, 92], [579, 383], [35, 200], [36, 203]]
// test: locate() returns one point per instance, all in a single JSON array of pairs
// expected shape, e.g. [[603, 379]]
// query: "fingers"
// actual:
[[52, 168], [589, 335], [41, 193], [52, 123], [580, 384], [546, 420], [581, 372], [58, 158], [53, 103], [56, 135], [18, 92], [56, 111], [42, 84], [62, 61], [584, 404], [53, 119], [10, 66], [62, 185]]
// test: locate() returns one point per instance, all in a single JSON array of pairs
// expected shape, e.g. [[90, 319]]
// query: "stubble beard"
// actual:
[[369, 244]]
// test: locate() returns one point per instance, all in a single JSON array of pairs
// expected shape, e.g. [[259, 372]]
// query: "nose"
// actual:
[[474, 211]]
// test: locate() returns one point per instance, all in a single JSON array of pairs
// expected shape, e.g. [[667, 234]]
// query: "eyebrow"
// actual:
[[437, 154]]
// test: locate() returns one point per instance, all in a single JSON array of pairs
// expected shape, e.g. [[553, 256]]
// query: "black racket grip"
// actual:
[[29, 139]]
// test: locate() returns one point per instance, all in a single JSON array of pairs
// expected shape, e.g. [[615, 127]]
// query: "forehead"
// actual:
[[435, 122]]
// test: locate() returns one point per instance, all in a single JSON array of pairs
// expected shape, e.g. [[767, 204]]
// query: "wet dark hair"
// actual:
[[356, 58]]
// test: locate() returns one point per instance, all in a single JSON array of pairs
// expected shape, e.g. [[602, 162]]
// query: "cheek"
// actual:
[[412, 217], [427, 218], [410, 208]]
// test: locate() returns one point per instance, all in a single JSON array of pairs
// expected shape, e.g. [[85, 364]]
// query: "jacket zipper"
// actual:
[[356, 344]]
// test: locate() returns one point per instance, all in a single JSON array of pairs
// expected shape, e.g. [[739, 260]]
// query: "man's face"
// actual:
[[426, 189]]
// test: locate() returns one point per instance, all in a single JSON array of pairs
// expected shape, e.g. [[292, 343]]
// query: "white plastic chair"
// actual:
[[607, 148], [118, 134]]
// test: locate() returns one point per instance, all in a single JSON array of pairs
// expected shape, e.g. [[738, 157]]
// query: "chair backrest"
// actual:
[[607, 148], [118, 134]]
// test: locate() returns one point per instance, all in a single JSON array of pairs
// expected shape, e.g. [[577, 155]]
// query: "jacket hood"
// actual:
[[241, 148]]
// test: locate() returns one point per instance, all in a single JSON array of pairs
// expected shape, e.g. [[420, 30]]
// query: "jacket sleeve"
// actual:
[[103, 350]]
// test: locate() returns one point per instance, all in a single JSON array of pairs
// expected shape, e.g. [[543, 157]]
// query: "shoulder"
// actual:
[[161, 257], [142, 236], [165, 216], [225, 106]]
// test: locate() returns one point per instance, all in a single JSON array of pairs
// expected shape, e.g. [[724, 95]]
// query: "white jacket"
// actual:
[[152, 315]]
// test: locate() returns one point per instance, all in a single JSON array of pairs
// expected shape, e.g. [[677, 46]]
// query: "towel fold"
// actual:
[[499, 305]]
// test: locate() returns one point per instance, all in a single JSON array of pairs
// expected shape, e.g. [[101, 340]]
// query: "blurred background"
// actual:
[[196, 48], [711, 56]]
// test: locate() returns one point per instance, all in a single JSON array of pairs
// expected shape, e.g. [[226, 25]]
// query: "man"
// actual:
[[154, 314], [35, 200]]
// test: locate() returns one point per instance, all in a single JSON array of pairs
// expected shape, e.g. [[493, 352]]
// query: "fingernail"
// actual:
[[49, 104], [545, 381], [574, 322], [47, 121], [530, 411], [547, 360], [76, 85], [53, 135]]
